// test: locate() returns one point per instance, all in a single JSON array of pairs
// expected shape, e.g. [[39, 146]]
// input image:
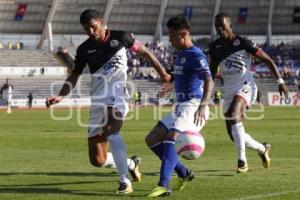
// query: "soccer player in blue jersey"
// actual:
[[193, 85]]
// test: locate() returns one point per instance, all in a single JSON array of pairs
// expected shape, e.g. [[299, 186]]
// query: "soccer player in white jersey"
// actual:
[[193, 85], [232, 54], [105, 54], [7, 92]]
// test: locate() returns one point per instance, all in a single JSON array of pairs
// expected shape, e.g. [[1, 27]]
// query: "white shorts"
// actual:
[[182, 119], [247, 91], [98, 114]]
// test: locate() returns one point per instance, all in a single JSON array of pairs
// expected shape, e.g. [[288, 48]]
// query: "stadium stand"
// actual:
[[57, 22]]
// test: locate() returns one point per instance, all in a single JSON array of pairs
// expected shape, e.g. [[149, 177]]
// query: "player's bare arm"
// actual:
[[153, 61], [271, 65], [166, 87], [69, 84], [199, 116], [213, 66]]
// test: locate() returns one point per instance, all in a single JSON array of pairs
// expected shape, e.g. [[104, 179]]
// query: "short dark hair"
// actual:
[[178, 23], [222, 15], [87, 15]]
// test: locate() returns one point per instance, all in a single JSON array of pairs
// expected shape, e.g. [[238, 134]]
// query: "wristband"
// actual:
[[280, 81]]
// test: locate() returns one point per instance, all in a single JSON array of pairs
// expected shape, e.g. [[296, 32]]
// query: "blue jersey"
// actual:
[[191, 68]]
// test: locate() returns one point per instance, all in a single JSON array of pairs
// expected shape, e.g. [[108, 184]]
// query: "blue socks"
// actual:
[[180, 169], [167, 153]]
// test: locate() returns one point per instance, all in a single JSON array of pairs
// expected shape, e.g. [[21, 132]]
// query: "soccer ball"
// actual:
[[190, 145]]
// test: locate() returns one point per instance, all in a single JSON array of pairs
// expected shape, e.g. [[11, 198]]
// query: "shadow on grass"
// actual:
[[50, 190], [221, 173], [103, 174]]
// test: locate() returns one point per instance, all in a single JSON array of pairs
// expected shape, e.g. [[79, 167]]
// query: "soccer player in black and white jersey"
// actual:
[[7, 92], [232, 54], [105, 54]]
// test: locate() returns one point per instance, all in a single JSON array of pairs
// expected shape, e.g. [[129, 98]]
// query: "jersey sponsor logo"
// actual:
[[109, 69], [114, 43], [178, 70], [231, 64], [183, 60], [112, 66], [232, 72], [90, 51], [236, 42], [232, 68]]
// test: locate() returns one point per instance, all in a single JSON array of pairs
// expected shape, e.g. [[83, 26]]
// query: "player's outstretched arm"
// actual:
[[69, 84], [153, 61], [271, 65]]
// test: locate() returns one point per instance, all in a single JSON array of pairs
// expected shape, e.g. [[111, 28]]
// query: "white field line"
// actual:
[[268, 195]]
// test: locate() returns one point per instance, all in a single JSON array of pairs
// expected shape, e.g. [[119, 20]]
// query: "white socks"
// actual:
[[242, 140], [130, 163], [110, 163], [119, 154], [253, 144], [238, 134]]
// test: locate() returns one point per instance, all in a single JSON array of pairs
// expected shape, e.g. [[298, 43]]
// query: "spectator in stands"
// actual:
[[7, 92], [30, 99], [136, 98], [105, 53], [217, 97], [42, 71], [21, 45], [18, 46], [10, 45]]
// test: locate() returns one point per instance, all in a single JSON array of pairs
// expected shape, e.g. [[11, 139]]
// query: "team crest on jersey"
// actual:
[[202, 63], [183, 60], [114, 43], [236, 42]]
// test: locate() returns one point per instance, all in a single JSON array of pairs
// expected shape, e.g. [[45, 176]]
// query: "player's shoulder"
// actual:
[[243, 40], [215, 43], [84, 45], [193, 51], [119, 34]]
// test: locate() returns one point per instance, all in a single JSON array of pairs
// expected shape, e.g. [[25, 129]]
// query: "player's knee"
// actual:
[[149, 139], [231, 116], [97, 161], [230, 136]]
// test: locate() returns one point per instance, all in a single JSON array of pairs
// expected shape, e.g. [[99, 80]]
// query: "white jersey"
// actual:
[[235, 70], [109, 81], [7, 91]]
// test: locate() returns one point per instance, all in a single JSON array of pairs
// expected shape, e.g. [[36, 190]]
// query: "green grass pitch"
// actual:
[[41, 158]]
